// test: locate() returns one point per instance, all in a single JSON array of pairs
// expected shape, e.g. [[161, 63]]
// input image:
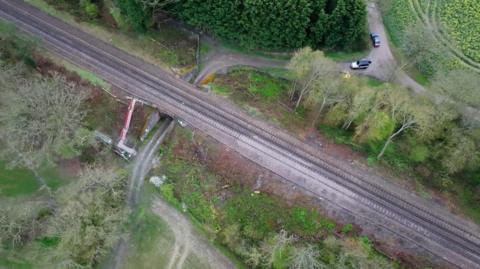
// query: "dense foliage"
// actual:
[[378, 117], [429, 142], [135, 15], [280, 24]]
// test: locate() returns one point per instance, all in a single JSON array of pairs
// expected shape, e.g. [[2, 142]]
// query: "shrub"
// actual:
[[200, 207], [258, 214], [347, 228], [89, 9], [419, 153], [303, 222], [167, 191]]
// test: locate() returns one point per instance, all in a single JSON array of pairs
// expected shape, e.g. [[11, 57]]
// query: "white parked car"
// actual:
[[360, 64]]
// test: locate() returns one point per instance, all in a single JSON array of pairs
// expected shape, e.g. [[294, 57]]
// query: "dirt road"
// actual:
[[187, 241], [141, 166], [221, 59]]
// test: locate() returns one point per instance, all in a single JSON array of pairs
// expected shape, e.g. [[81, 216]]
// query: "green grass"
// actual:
[[204, 49], [339, 136], [221, 89], [264, 86], [90, 77], [256, 216], [54, 177], [16, 182], [414, 73], [341, 56], [21, 182], [397, 19], [281, 73], [373, 82], [151, 240], [12, 263]]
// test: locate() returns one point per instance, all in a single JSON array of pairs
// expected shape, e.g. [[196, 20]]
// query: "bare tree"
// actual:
[[460, 84], [37, 118], [307, 257], [90, 217], [363, 101], [276, 247], [422, 49], [326, 92], [17, 222]]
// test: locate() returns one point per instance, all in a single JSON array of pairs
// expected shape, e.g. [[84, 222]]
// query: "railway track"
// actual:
[[151, 83]]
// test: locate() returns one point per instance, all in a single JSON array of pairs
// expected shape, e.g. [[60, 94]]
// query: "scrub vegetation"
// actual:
[[432, 143], [259, 228]]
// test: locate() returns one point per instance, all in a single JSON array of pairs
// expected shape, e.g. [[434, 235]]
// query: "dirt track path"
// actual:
[[141, 166], [220, 59], [187, 241]]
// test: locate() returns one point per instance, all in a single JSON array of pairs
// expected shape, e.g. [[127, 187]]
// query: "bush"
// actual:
[[303, 222], [200, 207], [90, 10], [168, 193], [257, 214], [347, 228], [419, 153]]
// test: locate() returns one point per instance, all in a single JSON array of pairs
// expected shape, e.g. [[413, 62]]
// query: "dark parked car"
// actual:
[[360, 64], [375, 39]]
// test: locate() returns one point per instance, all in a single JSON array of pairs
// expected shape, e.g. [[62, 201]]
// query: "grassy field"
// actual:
[[454, 25], [16, 182], [21, 182], [461, 19]]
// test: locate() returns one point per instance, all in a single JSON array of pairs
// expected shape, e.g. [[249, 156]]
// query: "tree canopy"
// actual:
[[38, 117], [279, 24]]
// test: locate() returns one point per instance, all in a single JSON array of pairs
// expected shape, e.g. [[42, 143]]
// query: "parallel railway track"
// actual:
[[157, 85]]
